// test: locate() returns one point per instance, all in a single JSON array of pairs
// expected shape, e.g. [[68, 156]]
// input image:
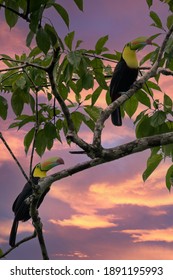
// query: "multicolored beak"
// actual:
[[50, 163], [140, 42]]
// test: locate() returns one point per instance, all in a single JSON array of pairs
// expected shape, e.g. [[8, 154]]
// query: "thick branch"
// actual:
[[111, 154], [37, 223]]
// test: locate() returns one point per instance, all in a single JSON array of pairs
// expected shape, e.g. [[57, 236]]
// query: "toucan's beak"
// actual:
[[50, 163], [140, 42]]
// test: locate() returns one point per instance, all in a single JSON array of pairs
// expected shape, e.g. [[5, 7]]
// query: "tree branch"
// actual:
[[111, 154], [26, 239], [164, 71], [71, 129], [24, 16], [37, 221]]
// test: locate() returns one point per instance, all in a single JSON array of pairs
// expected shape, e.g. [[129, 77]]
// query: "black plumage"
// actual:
[[122, 79], [21, 208]]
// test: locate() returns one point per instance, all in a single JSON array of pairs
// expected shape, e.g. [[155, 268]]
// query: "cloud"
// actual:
[[16, 44], [87, 221], [5, 227], [15, 141], [143, 235], [74, 255]]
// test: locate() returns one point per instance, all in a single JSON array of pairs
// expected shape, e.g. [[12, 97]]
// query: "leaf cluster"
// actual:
[[82, 78]]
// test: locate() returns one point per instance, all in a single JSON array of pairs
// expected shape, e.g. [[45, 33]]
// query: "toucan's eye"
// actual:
[[37, 166]]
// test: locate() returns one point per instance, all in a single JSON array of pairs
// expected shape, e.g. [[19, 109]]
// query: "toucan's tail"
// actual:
[[116, 117], [12, 239]]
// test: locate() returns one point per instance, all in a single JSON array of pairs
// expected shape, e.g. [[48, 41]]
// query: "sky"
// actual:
[[107, 212]]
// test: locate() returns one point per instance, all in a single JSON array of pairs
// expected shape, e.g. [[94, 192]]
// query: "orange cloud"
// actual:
[[143, 235], [87, 221], [5, 227]]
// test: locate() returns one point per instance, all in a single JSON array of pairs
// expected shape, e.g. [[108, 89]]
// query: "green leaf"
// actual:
[[153, 85], [143, 98], [34, 52], [35, 5], [42, 39], [79, 3], [78, 43], [28, 139], [149, 3], [32, 103], [25, 120], [69, 40], [152, 163], [53, 36], [169, 177], [50, 130], [17, 102], [158, 118], [29, 38], [93, 112], [21, 82], [108, 98], [74, 57], [35, 18], [3, 108], [87, 81], [98, 67], [144, 127], [130, 106], [96, 95], [156, 19], [167, 102], [167, 151], [100, 78], [77, 120], [11, 18], [100, 44], [170, 21], [40, 143], [62, 12], [140, 116]]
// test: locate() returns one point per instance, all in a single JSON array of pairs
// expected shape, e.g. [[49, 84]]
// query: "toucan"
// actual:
[[21, 207], [125, 73]]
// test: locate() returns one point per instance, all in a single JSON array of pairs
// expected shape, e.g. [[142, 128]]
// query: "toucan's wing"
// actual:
[[20, 207], [116, 81]]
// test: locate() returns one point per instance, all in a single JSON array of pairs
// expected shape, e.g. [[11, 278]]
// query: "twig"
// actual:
[[164, 71], [36, 88], [24, 16], [19, 243], [13, 156]]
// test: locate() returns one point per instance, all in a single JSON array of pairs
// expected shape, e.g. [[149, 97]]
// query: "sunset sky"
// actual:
[[107, 212]]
